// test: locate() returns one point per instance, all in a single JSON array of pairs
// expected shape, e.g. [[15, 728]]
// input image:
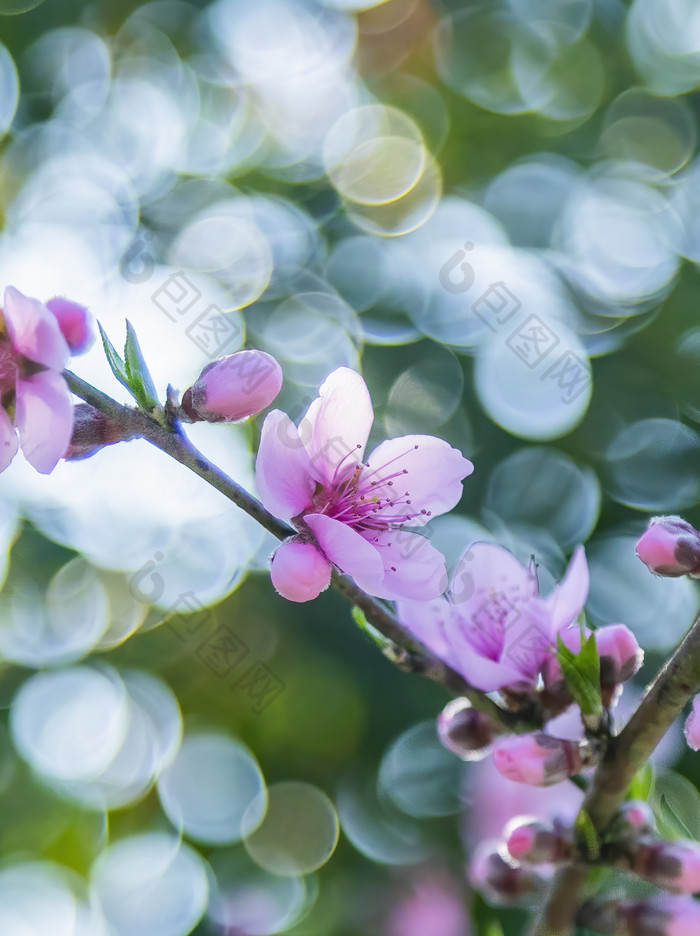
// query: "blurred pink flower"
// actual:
[[34, 397], [492, 626], [434, 907], [537, 758], [352, 512]]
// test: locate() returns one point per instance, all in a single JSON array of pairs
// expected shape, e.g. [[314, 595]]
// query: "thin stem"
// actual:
[[674, 686], [174, 443]]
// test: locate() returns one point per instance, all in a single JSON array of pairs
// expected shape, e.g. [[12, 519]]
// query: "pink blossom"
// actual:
[[673, 865], [434, 906], [662, 915], [354, 512], [670, 547], [492, 626], [75, 322], [537, 758], [503, 883], [692, 725], [233, 388], [34, 397], [535, 842]]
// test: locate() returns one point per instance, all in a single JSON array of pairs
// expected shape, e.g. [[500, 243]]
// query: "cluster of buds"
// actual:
[[661, 915]]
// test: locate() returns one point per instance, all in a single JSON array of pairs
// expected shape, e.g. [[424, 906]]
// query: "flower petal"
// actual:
[[9, 443], [569, 596], [413, 567], [348, 550], [485, 572], [44, 418], [337, 424], [283, 473], [299, 572], [427, 468], [429, 622], [34, 331]]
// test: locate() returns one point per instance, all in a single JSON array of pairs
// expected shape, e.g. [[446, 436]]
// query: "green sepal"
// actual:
[[582, 674]]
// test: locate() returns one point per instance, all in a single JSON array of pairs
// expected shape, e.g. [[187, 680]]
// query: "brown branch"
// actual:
[[674, 686], [174, 443]]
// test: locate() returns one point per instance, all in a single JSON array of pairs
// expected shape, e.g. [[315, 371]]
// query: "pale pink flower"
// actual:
[[434, 906], [492, 626], [34, 397], [354, 512]]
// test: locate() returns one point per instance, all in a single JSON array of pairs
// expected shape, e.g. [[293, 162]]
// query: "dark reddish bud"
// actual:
[[503, 883], [465, 731], [92, 430]]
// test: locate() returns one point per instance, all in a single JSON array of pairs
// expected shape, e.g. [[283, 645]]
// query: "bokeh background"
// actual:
[[491, 209]]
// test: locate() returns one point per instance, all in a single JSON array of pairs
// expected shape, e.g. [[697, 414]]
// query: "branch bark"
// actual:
[[673, 687], [417, 658]]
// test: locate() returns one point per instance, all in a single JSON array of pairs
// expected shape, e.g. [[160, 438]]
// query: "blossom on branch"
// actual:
[[492, 626], [233, 388], [34, 398], [354, 512]]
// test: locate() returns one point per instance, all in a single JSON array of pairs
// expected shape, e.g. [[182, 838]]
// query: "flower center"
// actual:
[[370, 498]]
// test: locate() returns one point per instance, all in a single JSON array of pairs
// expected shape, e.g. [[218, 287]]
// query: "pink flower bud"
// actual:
[[92, 430], [620, 658], [75, 322], [660, 915], [673, 865], [465, 731], [499, 881], [235, 387], [692, 725], [637, 816], [536, 842], [537, 759], [299, 572], [671, 547]]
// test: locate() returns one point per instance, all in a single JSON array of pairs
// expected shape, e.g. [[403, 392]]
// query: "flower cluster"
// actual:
[[36, 342]]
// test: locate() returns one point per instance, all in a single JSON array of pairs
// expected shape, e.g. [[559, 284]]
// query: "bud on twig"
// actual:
[[465, 731], [536, 842], [539, 759], [670, 547], [233, 388], [673, 865], [502, 883], [92, 431], [658, 916]]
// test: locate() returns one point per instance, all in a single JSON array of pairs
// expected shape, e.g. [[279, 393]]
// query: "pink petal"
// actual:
[[569, 596], [9, 443], [44, 418], [480, 671], [283, 473], [429, 622], [75, 321], [337, 424], [34, 330], [413, 567], [527, 639], [485, 571], [348, 550], [429, 470], [298, 571]]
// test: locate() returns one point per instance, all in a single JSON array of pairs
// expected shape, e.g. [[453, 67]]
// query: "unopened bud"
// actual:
[[466, 731], [502, 883], [671, 547], [637, 816], [692, 725], [660, 915], [621, 658], [673, 865], [75, 322], [234, 387], [536, 842], [538, 758], [92, 431]]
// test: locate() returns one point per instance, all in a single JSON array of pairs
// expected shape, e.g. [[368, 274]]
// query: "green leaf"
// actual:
[[676, 804], [582, 674], [493, 928], [640, 787], [115, 362], [586, 831], [140, 380]]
